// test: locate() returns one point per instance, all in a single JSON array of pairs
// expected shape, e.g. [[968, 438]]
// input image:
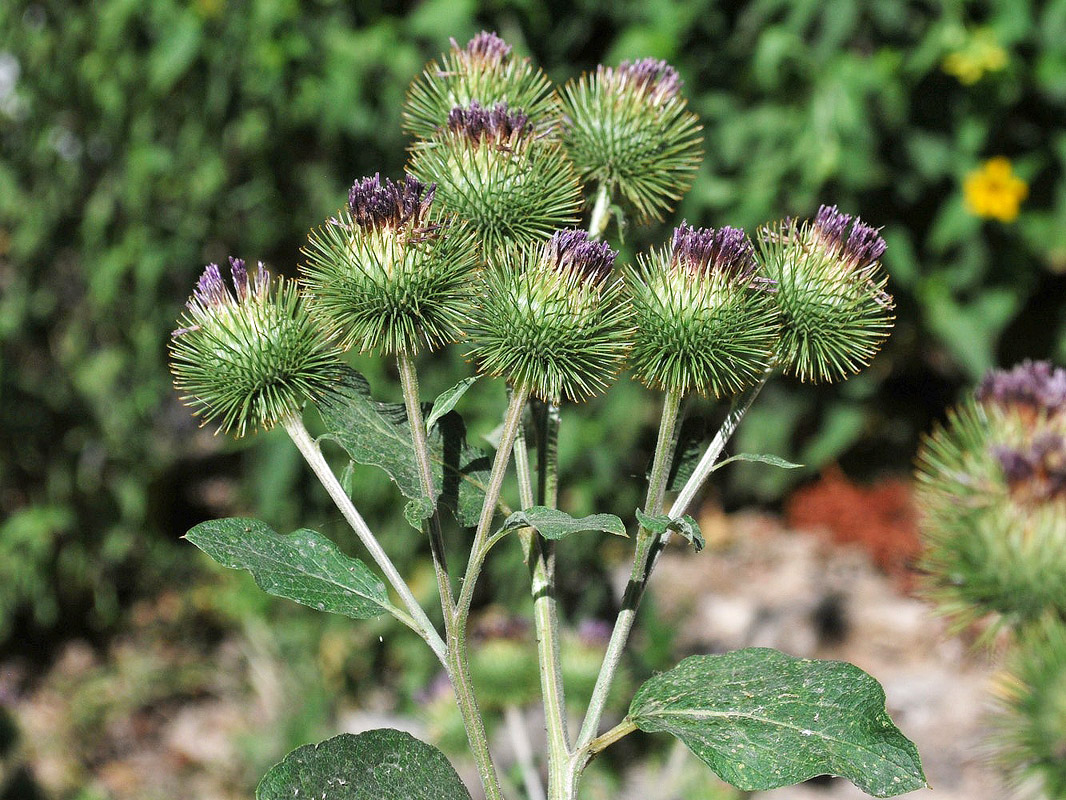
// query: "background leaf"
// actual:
[[761, 719], [379, 434], [303, 566], [374, 765]]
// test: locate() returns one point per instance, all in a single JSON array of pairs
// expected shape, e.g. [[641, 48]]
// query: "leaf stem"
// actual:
[[601, 212], [638, 578], [311, 452]]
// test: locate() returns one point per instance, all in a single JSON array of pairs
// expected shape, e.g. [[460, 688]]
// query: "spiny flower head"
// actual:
[[705, 320], [483, 72], [391, 272], [512, 186], [497, 125], [992, 490], [628, 127], [251, 356], [549, 318], [835, 312]]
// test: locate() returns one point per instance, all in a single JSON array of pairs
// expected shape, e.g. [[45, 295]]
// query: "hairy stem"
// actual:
[[294, 426], [638, 578], [548, 423]]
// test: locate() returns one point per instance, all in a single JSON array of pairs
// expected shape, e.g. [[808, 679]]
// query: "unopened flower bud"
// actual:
[[835, 312], [628, 128], [390, 273], [549, 318], [251, 356], [704, 317]]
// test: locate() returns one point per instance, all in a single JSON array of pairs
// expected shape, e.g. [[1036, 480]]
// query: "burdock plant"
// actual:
[[478, 247], [992, 490]]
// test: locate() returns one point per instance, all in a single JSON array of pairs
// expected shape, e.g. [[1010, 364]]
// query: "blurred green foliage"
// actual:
[[139, 141]]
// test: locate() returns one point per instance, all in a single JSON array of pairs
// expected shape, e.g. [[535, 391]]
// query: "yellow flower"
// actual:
[[980, 54], [993, 191]]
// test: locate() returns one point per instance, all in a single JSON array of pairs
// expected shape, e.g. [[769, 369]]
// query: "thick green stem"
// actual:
[[432, 526], [313, 455], [601, 212], [638, 578], [458, 665]]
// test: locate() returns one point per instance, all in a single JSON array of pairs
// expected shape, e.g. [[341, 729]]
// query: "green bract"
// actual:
[[388, 273], [250, 359], [491, 168], [549, 318], [992, 490], [835, 312], [627, 127], [483, 72], [705, 322]]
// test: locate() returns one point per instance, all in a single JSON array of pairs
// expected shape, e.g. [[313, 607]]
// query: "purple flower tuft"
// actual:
[[571, 251], [1036, 471], [485, 47], [211, 291], [1034, 385], [705, 251], [375, 203], [497, 124], [861, 247], [650, 75]]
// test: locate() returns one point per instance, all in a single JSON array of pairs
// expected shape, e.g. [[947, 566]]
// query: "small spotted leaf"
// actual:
[[373, 765], [761, 719], [303, 566], [554, 524]]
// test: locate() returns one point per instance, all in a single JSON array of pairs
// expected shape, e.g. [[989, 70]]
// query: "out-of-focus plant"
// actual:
[[408, 267], [992, 490]]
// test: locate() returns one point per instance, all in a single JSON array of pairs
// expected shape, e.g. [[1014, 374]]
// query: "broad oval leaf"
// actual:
[[761, 719], [303, 566], [554, 524], [685, 526], [374, 765], [447, 400], [378, 434]]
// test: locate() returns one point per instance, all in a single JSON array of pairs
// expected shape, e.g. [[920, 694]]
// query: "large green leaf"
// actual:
[[378, 434], [381, 764], [554, 524], [761, 719], [303, 566]]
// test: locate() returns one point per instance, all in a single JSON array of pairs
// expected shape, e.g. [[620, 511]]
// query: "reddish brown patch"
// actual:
[[881, 518]]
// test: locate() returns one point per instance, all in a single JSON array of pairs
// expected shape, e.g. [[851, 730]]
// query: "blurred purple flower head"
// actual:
[[1032, 385], [1036, 471], [849, 238], [497, 124], [486, 48], [594, 632], [377, 203], [705, 251], [572, 251], [656, 78]]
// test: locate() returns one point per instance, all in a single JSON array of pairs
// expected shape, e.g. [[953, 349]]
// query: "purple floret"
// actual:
[[1031, 384], [706, 251], [497, 124], [650, 75], [375, 203], [486, 47], [1016, 466], [862, 246], [211, 290], [571, 251]]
